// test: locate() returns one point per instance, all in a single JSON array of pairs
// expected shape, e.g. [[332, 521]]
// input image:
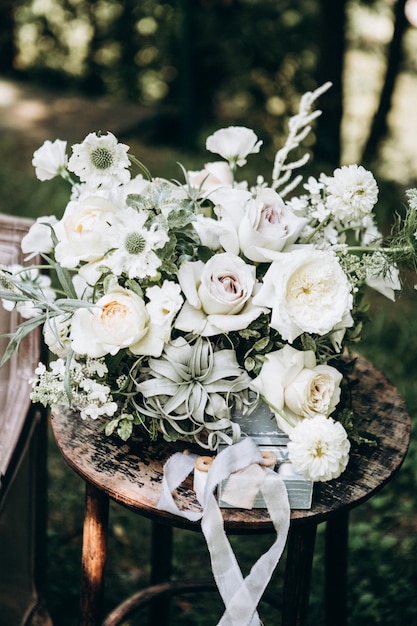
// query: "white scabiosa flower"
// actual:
[[234, 144], [100, 161], [50, 159], [352, 194], [319, 448], [132, 245]]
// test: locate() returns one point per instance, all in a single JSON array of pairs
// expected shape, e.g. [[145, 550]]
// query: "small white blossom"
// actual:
[[234, 144], [50, 159], [39, 238], [100, 161], [319, 448]]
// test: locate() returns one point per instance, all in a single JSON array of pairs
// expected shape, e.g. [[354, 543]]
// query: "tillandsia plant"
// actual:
[[177, 306]]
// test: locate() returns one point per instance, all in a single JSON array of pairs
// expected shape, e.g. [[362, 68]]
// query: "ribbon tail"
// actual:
[[176, 470], [276, 498]]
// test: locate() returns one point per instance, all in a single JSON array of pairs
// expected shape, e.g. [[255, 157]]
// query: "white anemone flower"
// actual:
[[132, 245], [50, 160], [100, 161], [319, 448], [234, 144]]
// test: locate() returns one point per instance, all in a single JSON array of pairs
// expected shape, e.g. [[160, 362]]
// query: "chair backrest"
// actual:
[[14, 375]]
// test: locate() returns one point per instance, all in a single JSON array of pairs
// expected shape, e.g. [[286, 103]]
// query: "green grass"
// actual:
[[383, 538]]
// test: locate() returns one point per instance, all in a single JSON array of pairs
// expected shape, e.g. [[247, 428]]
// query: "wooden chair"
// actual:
[[22, 465]]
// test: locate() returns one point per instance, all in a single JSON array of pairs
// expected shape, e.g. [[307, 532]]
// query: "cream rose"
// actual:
[[295, 387], [117, 320], [218, 295], [81, 231], [308, 292]]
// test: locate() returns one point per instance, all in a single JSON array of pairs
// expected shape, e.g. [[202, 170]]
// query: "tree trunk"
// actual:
[[379, 125], [330, 68], [7, 45]]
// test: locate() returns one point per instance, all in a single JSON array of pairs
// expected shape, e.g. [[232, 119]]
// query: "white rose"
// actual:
[[50, 159], [267, 226], [230, 210], [308, 292], [117, 320], [218, 295], [295, 387], [234, 144], [81, 231]]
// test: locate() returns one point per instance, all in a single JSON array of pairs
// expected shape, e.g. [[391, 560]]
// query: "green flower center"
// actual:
[[135, 243], [101, 158]]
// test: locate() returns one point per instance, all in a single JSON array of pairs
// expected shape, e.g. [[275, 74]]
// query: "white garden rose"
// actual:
[[218, 295], [117, 320], [295, 387], [308, 292], [81, 231], [234, 144], [267, 227]]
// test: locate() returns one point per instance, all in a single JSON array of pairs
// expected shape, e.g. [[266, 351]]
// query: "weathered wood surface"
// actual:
[[14, 375], [131, 473]]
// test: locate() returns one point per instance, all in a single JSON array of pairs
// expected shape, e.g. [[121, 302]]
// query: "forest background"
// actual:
[[162, 75]]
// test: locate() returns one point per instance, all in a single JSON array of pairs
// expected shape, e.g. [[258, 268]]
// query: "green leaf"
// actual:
[[125, 428], [64, 277]]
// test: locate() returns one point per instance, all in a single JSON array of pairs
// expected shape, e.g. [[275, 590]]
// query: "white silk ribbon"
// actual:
[[241, 596]]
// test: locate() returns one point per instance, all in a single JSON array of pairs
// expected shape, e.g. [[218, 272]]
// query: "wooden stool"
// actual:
[[130, 473]]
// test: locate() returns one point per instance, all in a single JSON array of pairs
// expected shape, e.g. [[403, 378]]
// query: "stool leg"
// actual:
[[161, 566], [300, 553], [336, 550], [96, 515]]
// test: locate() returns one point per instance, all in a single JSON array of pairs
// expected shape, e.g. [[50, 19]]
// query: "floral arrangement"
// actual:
[[177, 306]]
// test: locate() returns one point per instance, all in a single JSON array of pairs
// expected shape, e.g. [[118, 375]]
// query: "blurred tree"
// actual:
[[7, 37], [332, 35], [379, 126]]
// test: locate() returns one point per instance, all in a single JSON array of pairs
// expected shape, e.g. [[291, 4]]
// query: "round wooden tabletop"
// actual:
[[130, 472]]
